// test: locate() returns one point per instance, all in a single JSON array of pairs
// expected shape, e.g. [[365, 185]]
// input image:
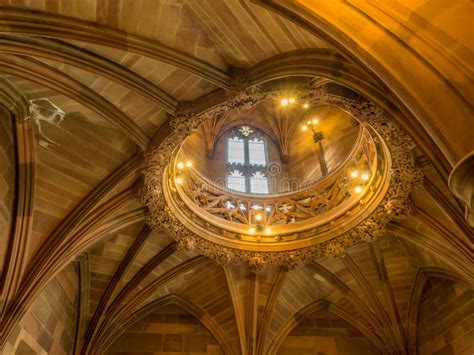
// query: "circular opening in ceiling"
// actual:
[[280, 146]]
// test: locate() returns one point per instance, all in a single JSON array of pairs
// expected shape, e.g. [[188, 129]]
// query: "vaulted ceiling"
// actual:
[[87, 86]]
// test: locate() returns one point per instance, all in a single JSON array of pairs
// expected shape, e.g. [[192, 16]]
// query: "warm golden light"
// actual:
[[358, 189], [305, 106], [304, 128], [179, 181], [365, 176], [292, 100], [189, 164], [258, 217], [180, 165], [251, 230], [354, 174], [315, 121], [268, 230], [308, 122], [284, 102]]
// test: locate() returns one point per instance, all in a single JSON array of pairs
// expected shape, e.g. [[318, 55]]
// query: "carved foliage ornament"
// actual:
[[395, 204]]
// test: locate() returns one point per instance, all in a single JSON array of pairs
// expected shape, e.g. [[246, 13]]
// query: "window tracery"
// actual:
[[247, 161]]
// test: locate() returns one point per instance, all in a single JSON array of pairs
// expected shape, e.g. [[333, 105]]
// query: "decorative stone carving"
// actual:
[[404, 176], [314, 201]]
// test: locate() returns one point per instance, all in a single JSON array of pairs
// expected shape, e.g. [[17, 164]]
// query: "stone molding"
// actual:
[[461, 184]]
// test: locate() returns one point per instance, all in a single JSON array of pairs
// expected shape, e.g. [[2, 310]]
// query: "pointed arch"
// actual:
[[423, 274], [326, 305], [175, 299]]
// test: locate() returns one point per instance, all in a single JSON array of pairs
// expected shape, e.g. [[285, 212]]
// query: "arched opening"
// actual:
[[324, 332], [168, 329]]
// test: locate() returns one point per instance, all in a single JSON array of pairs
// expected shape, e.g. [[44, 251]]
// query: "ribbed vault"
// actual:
[[87, 87]]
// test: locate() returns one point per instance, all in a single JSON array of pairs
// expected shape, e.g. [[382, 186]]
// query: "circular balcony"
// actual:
[[311, 213], [350, 202]]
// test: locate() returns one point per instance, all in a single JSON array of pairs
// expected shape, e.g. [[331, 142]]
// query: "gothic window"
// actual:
[[236, 181], [258, 183], [235, 151], [257, 154], [247, 161]]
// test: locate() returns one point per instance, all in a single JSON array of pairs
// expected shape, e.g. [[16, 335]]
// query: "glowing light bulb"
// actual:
[[251, 230], [354, 174], [365, 176], [258, 217], [315, 121], [305, 106], [179, 181], [189, 164], [284, 102], [268, 230], [304, 128], [308, 122], [180, 165], [292, 100], [358, 189]]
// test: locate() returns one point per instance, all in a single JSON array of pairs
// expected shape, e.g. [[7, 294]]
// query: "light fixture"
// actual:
[[305, 106], [358, 189], [292, 100], [258, 217], [354, 174], [284, 102], [318, 136], [179, 180], [365, 176], [268, 209], [180, 165], [252, 230], [268, 230], [189, 164]]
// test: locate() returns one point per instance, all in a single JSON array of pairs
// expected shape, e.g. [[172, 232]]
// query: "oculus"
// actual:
[[351, 204]]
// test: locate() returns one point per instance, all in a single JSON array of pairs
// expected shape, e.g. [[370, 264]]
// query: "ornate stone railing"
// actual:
[[309, 201], [305, 232], [280, 217]]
